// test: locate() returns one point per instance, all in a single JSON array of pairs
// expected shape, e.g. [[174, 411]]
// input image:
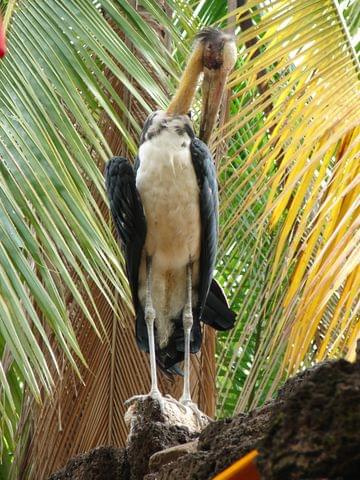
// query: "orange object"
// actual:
[[243, 469], [2, 40]]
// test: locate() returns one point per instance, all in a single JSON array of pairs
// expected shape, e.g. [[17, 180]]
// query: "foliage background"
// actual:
[[75, 87]]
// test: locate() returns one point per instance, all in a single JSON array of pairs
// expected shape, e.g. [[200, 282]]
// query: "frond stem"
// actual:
[[347, 36], [8, 13]]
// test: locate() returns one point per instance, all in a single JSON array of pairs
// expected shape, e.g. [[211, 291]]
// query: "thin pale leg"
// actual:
[[150, 321], [185, 399], [150, 315], [187, 324]]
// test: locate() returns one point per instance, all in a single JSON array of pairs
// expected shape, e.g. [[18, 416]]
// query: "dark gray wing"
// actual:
[[209, 213], [128, 214], [212, 306]]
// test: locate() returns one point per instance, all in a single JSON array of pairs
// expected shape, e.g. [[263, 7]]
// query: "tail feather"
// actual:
[[173, 353], [217, 313]]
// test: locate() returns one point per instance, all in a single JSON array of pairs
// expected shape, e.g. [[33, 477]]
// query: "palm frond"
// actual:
[[56, 245], [289, 197], [75, 75]]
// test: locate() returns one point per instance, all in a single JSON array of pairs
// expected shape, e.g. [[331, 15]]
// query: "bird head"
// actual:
[[219, 57], [214, 55]]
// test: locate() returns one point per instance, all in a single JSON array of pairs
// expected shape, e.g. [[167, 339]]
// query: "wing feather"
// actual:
[[128, 214], [212, 306], [209, 213]]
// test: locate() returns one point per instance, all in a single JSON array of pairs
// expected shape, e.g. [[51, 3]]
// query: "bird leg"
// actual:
[[185, 402], [187, 324], [150, 321], [185, 398], [150, 315]]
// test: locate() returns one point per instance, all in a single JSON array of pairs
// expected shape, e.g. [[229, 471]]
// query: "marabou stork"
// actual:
[[166, 213]]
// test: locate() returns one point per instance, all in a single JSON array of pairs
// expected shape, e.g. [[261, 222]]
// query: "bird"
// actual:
[[165, 209]]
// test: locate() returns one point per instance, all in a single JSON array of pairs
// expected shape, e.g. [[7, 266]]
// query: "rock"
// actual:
[[102, 463], [311, 431], [172, 413], [198, 465], [220, 444], [238, 435], [153, 430], [158, 459], [315, 432]]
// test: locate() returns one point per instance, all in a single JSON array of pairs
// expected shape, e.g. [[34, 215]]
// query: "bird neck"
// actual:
[[181, 103]]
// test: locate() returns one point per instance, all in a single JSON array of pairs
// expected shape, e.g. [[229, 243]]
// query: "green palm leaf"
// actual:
[[290, 184]]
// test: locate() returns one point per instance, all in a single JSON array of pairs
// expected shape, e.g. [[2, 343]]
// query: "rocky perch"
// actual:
[[310, 431]]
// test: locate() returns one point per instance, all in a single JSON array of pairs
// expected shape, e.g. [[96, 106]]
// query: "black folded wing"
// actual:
[[128, 214], [212, 306]]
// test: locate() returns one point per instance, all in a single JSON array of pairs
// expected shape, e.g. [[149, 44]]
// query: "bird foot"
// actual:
[[201, 418], [162, 400], [155, 395], [173, 412], [178, 403]]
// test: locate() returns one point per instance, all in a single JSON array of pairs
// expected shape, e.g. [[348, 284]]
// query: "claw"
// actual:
[[180, 405], [201, 418], [154, 395]]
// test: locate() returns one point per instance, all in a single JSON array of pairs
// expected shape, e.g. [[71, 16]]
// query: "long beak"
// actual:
[[212, 93], [218, 60]]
